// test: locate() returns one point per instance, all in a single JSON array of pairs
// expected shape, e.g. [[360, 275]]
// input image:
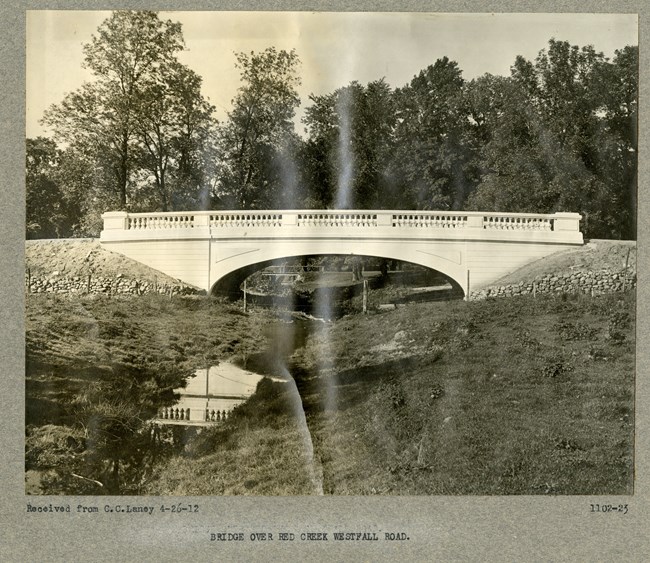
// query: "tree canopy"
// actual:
[[259, 131], [140, 127], [558, 134]]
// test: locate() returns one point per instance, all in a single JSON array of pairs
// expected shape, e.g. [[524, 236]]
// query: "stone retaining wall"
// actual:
[[604, 281], [103, 285]]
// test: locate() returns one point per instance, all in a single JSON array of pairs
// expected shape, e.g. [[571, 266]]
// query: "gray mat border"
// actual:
[[441, 528]]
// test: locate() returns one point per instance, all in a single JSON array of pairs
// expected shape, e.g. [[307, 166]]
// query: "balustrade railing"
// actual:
[[317, 219], [160, 221], [336, 219], [517, 223], [263, 219], [429, 220]]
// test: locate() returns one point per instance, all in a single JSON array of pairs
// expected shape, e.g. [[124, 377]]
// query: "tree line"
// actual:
[[558, 134]]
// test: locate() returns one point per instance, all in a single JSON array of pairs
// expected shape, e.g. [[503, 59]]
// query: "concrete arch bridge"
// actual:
[[216, 248]]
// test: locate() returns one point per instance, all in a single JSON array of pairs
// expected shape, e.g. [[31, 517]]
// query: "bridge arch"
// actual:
[[228, 273]]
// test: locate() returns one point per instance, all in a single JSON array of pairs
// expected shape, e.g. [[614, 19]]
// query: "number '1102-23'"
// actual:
[[622, 508]]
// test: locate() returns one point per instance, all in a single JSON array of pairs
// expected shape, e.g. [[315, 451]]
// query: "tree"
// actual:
[[432, 152], [350, 143], [49, 213], [525, 167], [173, 124], [259, 128], [617, 145], [141, 128], [562, 138], [129, 50]]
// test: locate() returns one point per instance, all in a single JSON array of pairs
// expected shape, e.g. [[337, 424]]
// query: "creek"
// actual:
[[219, 389], [213, 392]]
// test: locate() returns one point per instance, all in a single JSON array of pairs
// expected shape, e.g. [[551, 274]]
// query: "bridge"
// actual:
[[219, 249]]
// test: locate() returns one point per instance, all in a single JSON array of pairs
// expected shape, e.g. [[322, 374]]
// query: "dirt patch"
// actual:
[[80, 257], [596, 255]]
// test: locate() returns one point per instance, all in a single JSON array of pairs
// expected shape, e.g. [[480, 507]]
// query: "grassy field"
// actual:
[[511, 396]]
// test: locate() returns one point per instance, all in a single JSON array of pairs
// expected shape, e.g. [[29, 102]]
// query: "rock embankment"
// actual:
[[118, 285], [595, 283], [79, 266]]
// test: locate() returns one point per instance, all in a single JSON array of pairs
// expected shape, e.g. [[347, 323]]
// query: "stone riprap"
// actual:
[[604, 281], [119, 285]]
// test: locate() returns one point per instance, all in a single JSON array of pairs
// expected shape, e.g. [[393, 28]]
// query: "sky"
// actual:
[[334, 48]]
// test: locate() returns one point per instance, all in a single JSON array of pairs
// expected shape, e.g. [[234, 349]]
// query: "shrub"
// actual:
[[575, 331], [556, 369]]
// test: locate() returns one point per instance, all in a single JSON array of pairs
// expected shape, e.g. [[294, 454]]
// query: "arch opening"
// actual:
[[321, 283]]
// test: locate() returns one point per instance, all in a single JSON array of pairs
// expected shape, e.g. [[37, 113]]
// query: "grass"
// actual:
[[510, 396], [517, 396], [72, 332], [260, 450], [74, 344]]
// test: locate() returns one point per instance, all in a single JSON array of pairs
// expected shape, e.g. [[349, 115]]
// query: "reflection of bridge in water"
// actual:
[[217, 250], [210, 396]]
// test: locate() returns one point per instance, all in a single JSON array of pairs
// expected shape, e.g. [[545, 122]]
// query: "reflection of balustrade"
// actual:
[[216, 416], [174, 413]]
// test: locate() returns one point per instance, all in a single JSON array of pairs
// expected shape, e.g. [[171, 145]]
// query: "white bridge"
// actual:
[[210, 249]]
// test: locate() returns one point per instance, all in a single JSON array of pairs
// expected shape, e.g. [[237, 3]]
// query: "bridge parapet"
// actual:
[[556, 227]]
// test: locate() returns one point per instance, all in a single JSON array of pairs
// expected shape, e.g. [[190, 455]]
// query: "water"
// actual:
[[220, 389], [227, 385]]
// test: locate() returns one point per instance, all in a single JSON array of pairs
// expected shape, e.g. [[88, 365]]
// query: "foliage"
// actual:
[[174, 128], [50, 212], [433, 152], [558, 134], [257, 143], [561, 141], [140, 128], [350, 142]]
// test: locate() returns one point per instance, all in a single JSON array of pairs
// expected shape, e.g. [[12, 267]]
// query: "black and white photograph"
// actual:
[[330, 253]]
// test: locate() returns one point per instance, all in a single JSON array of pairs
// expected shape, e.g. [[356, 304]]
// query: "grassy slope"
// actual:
[[67, 336], [519, 396], [429, 398]]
